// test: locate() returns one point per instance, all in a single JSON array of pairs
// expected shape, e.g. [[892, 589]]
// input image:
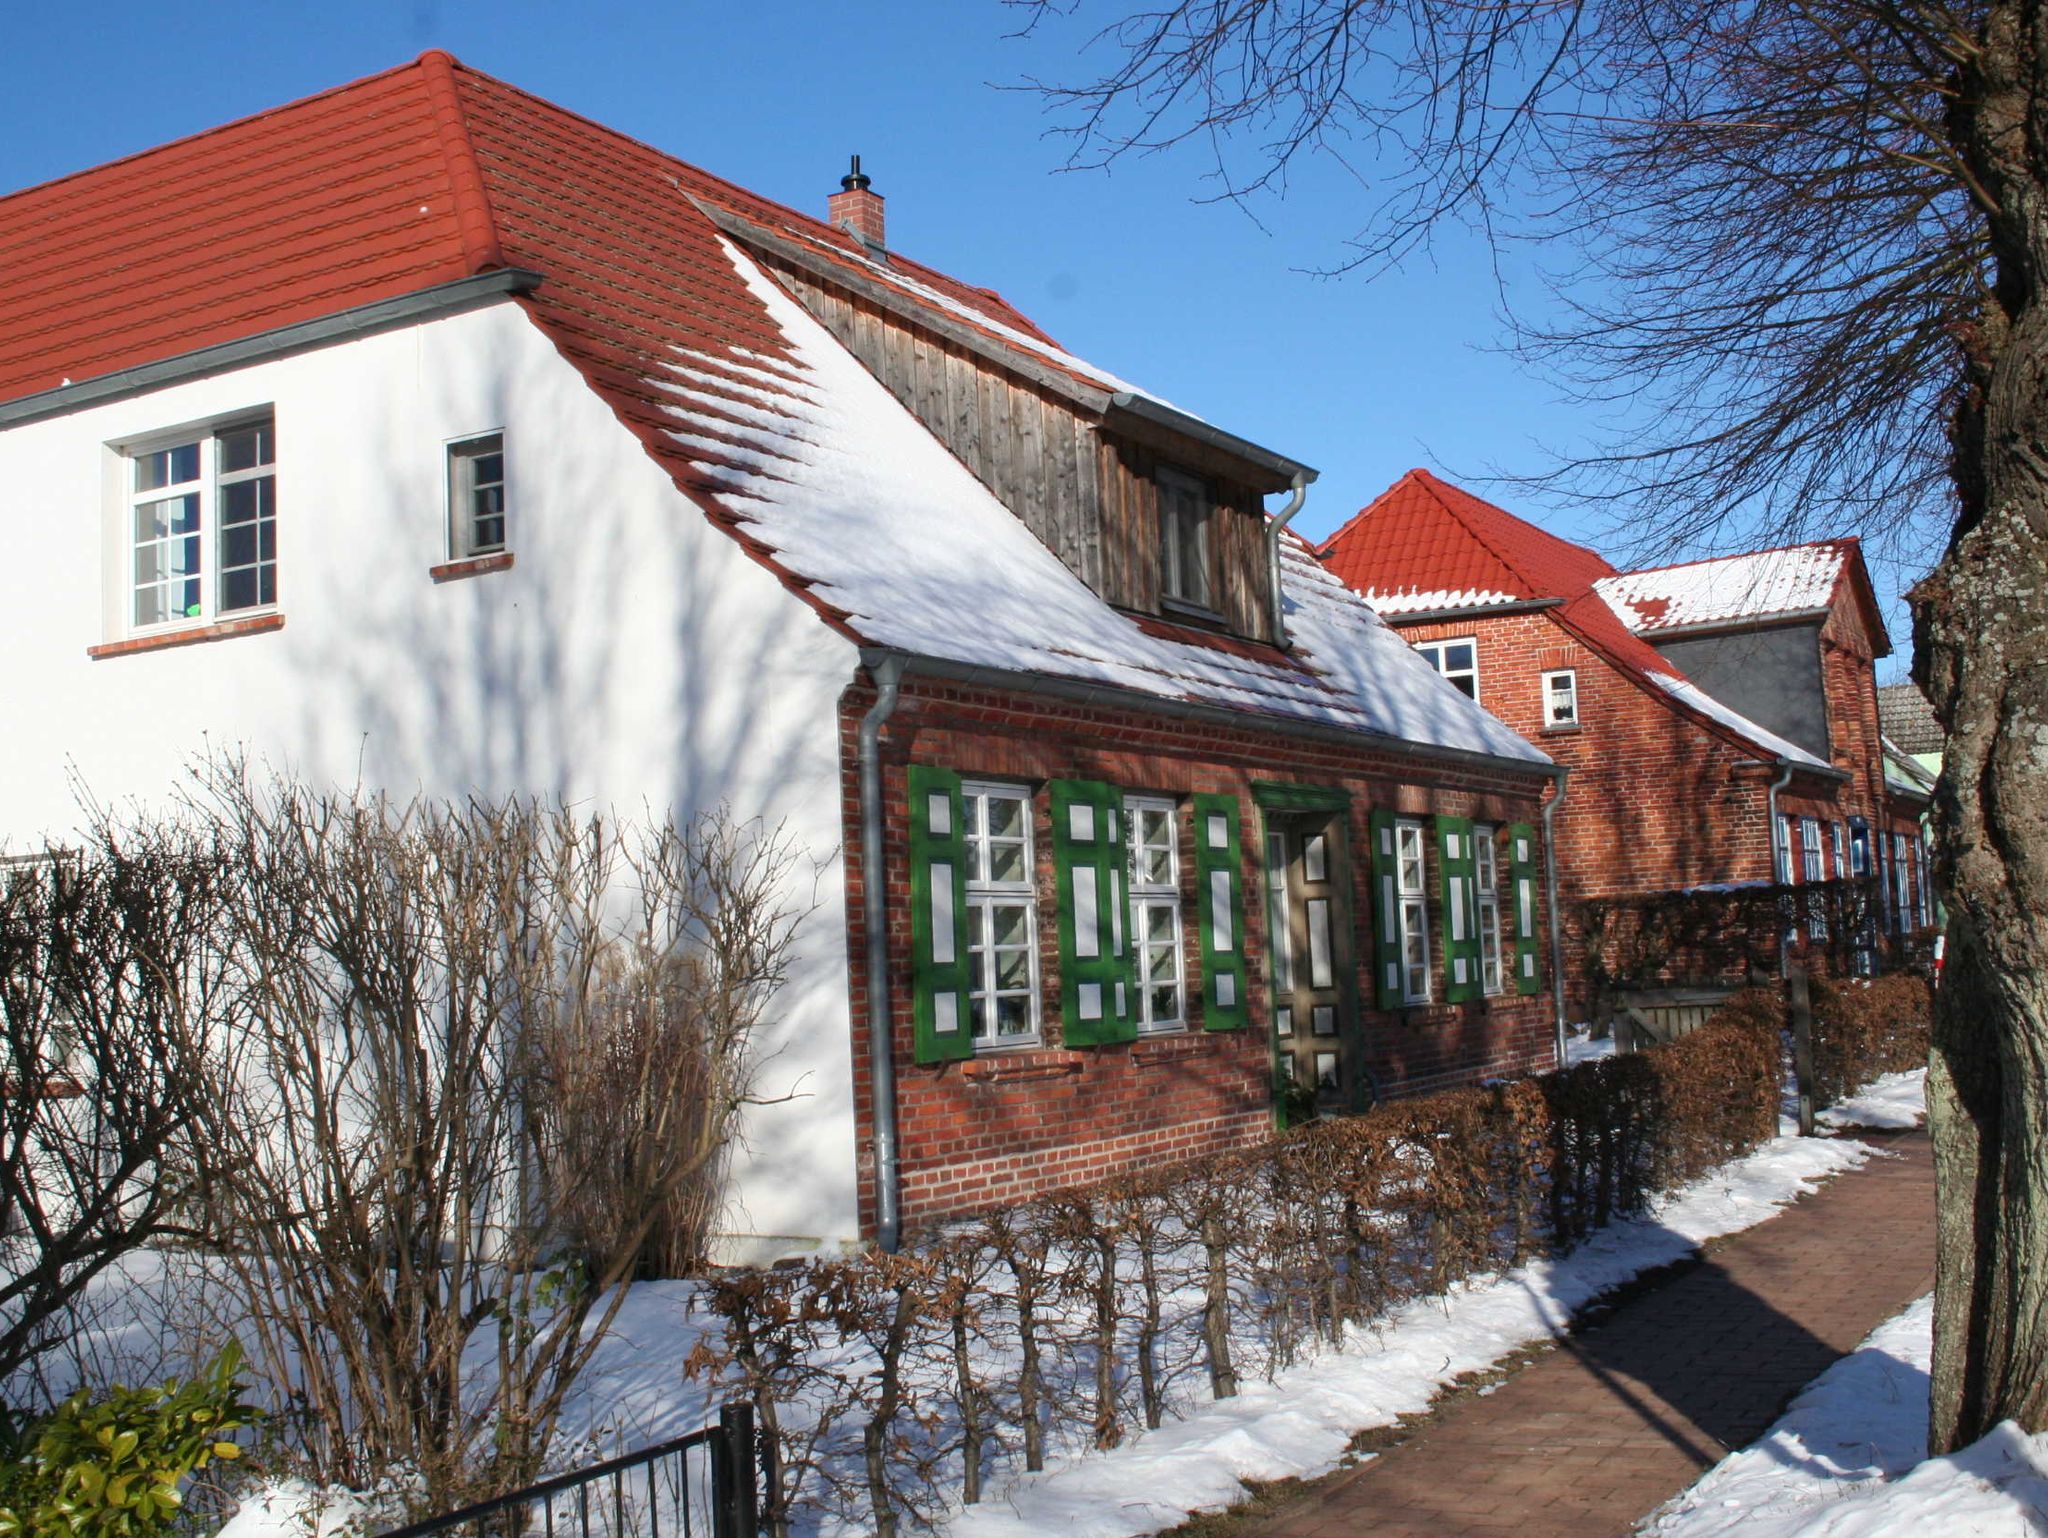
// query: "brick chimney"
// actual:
[[857, 209]]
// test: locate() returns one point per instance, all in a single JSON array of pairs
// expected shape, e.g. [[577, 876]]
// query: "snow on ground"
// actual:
[[1302, 1421], [1845, 1462], [1582, 1046], [1895, 1100]]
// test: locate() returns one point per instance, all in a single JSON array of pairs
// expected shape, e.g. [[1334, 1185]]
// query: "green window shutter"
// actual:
[[1098, 994], [1386, 902], [1219, 910], [1462, 977], [1522, 894], [938, 918]]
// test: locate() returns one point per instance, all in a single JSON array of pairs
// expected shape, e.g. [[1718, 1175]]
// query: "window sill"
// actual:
[[191, 635], [1562, 731], [1024, 1063], [471, 566], [1199, 613]]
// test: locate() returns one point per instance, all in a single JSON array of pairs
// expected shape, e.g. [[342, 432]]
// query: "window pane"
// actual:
[[1159, 923], [167, 467], [173, 515], [1165, 1002], [1458, 657], [1013, 1016], [245, 448], [1006, 862], [1013, 969], [1005, 817], [1011, 923]]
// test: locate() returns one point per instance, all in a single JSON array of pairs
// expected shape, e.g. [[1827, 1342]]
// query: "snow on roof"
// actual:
[[1798, 580], [1698, 699], [1412, 601], [1903, 772], [852, 495]]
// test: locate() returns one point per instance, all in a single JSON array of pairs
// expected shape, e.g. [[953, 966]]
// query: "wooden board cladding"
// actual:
[[1089, 497], [1130, 538]]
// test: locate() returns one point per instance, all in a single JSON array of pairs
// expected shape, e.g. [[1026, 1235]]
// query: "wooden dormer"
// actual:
[[1115, 483]]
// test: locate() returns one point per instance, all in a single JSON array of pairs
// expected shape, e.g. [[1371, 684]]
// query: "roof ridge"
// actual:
[[1436, 488], [473, 217], [207, 132]]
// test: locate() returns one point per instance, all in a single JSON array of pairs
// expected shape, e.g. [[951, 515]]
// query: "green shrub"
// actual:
[[1864, 1028], [110, 1467]]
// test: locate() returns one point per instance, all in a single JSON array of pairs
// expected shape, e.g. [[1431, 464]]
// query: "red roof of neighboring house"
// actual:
[[1424, 545], [432, 172]]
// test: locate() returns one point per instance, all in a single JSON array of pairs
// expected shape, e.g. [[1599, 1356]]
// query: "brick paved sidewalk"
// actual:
[[1592, 1437]]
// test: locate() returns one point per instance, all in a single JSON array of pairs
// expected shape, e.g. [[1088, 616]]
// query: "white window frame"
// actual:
[[984, 897], [1571, 693], [1411, 899], [1434, 653], [1149, 896], [205, 485], [463, 455], [1182, 523], [1486, 883], [1813, 868]]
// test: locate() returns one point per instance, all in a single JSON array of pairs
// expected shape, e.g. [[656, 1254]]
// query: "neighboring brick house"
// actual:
[[1719, 718], [577, 470]]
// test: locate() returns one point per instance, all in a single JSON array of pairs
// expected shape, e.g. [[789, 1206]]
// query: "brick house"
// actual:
[[425, 435], [1719, 718]]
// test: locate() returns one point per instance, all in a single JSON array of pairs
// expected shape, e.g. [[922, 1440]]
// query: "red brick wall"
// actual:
[[1656, 800], [1013, 1122]]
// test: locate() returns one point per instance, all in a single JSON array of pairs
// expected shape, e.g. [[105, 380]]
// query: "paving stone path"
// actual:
[[1593, 1436]]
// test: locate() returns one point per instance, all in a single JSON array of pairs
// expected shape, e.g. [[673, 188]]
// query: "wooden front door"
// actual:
[[1314, 1005]]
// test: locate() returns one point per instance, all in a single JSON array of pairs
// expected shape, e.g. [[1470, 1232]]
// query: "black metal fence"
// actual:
[[703, 1485]]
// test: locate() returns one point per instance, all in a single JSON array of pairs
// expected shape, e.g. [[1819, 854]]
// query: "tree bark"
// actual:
[[1981, 631]]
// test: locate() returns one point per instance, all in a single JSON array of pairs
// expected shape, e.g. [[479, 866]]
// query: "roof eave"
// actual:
[[1778, 619], [1400, 617], [403, 309], [1081, 691]]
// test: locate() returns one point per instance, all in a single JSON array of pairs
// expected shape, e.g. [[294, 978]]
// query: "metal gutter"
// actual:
[[887, 670], [1083, 693], [1550, 807], [1146, 409], [421, 304], [1785, 765], [1779, 621], [1275, 527]]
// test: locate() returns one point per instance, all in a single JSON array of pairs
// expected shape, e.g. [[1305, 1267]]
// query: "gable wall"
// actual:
[[1088, 494], [634, 657]]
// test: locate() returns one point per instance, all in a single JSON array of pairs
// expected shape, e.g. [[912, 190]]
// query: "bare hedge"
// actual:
[[1865, 1027], [888, 1385]]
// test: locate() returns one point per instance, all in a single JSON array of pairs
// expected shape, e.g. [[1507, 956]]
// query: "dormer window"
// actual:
[[1185, 508]]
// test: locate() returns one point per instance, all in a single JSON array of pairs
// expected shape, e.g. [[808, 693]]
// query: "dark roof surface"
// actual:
[[1908, 718]]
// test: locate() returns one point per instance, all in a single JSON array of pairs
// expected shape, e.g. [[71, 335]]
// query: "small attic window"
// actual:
[[476, 497], [1185, 509]]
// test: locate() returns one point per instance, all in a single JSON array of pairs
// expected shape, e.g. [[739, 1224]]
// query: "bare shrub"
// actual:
[[109, 988], [489, 1058]]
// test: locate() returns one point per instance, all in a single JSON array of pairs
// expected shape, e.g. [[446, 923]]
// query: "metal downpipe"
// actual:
[[1550, 807], [1771, 837], [887, 671], [1274, 529]]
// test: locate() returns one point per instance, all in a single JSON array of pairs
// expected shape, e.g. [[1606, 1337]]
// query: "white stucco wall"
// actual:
[[634, 657]]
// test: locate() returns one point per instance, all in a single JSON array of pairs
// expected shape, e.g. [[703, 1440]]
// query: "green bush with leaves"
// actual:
[[111, 1467]]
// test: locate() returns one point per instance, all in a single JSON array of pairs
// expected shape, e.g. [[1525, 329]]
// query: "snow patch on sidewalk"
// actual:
[[1301, 1423], [1894, 1100], [1845, 1461]]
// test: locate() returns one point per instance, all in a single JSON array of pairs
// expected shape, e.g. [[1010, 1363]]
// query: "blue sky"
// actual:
[[1218, 312]]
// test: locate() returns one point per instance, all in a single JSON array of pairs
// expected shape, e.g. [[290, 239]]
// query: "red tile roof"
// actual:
[[1425, 536], [432, 172]]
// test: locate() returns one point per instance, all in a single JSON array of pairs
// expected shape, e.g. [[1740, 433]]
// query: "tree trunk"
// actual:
[[1981, 656]]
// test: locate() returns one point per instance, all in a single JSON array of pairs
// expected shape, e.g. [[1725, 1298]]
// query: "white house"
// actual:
[[425, 435]]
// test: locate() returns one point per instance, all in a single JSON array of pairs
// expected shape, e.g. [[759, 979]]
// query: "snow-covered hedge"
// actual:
[[889, 1386]]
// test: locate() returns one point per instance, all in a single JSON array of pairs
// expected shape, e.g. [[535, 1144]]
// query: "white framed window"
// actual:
[[1185, 508], [1560, 699], [476, 497], [1486, 878], [1152, 827], [1412, 895], [1835, 841], [1812, 859], [1859, 847], [1279, 921], [1781, 850], [1002, 915], [201, 525], [1457, 660]]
